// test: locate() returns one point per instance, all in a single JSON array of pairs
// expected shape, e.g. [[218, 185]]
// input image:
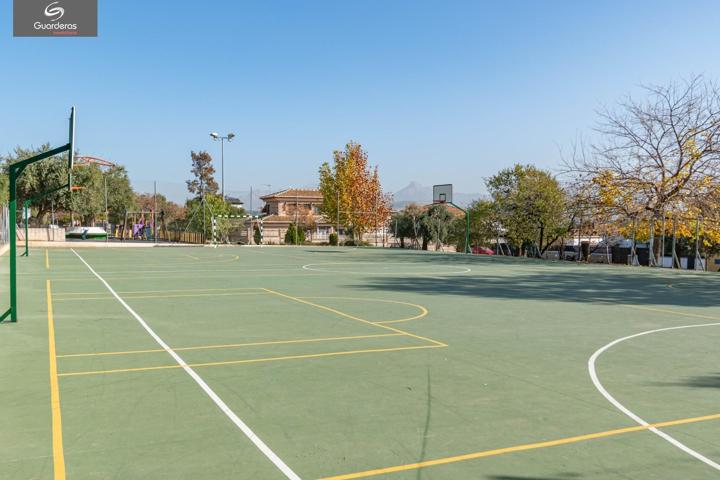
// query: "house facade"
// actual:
[[298, 206]]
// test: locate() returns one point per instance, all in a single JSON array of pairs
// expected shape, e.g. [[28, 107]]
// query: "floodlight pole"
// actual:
[[222, 139]]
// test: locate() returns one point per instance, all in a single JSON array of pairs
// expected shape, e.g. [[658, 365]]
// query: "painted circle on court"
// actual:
[[421, 311], [385, 268]]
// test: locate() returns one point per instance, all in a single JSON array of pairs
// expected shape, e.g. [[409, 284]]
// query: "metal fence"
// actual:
[[4, 225]]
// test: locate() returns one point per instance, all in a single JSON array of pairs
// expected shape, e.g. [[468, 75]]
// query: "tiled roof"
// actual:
[[294, 193], [453, 210]]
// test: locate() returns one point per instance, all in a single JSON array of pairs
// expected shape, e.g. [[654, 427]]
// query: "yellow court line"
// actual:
[[191, 275], [673, 312], [518, 448], [251, 360], [352, 317], [231, 345], [423, 310], [47, 259], [185, 295], [57, 441]]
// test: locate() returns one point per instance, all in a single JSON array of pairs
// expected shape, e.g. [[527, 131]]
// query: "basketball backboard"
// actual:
[[442, 193]]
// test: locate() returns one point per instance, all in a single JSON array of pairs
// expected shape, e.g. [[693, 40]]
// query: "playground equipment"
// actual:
[[138, 225]]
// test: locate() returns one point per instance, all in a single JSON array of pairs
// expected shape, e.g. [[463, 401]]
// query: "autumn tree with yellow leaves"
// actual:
[[352, 193], [657, 157]]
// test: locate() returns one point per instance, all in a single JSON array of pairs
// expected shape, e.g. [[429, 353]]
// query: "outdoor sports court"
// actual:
[[272, 363]]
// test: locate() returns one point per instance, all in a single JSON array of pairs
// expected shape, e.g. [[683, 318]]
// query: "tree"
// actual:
[[530, 205], [436, 224], [120, 194], [168, 211], [401, 224], [4, 189], [37, 179], [308, 224], [484, 225], [657, 154], [352, 192], [214, 206], [407, 224], [294, 235], [88, 202], [203, 172]]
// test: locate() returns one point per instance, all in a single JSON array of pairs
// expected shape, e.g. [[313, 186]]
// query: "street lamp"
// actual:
[[228, 137]]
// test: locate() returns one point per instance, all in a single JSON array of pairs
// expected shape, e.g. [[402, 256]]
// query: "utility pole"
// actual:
[[662, 248], [202, 201], [251, 232], [155, 211], [376, 222], [698, 257], [222, 169], [107, 216]]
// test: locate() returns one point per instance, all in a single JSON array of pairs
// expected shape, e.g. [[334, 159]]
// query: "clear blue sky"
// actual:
[[443, 91]]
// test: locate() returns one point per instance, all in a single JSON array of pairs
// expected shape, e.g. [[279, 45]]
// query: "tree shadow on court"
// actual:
[[564, 283], [700, 381], [426, 430], [561, 476]]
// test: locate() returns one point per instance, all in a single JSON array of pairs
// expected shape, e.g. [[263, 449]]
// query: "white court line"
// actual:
[[636, 418], [206, 388]]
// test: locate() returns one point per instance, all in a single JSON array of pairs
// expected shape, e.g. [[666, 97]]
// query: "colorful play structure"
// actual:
[[138, 225]]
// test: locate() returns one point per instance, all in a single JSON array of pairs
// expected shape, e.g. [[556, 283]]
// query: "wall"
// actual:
[[42, 234]]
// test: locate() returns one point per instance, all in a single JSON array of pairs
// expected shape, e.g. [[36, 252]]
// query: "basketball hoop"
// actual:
[[442, 193]]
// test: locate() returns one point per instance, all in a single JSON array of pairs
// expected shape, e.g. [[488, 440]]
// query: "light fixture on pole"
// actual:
[[228, 137]]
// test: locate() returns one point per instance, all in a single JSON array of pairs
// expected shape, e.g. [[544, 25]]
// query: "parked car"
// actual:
[[482, 251], [570, 253]]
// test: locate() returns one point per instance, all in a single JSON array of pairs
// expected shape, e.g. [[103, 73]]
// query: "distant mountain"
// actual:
[[422, 195]]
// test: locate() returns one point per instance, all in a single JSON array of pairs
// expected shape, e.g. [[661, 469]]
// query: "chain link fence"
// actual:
[[4, 225]]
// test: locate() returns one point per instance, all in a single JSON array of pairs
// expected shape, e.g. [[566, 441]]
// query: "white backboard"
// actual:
[[442, 193]]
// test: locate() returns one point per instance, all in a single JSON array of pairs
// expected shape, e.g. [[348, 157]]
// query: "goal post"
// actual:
[[14, 172]]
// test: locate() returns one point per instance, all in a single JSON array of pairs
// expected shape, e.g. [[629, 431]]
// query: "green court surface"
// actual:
[[272, 363]]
